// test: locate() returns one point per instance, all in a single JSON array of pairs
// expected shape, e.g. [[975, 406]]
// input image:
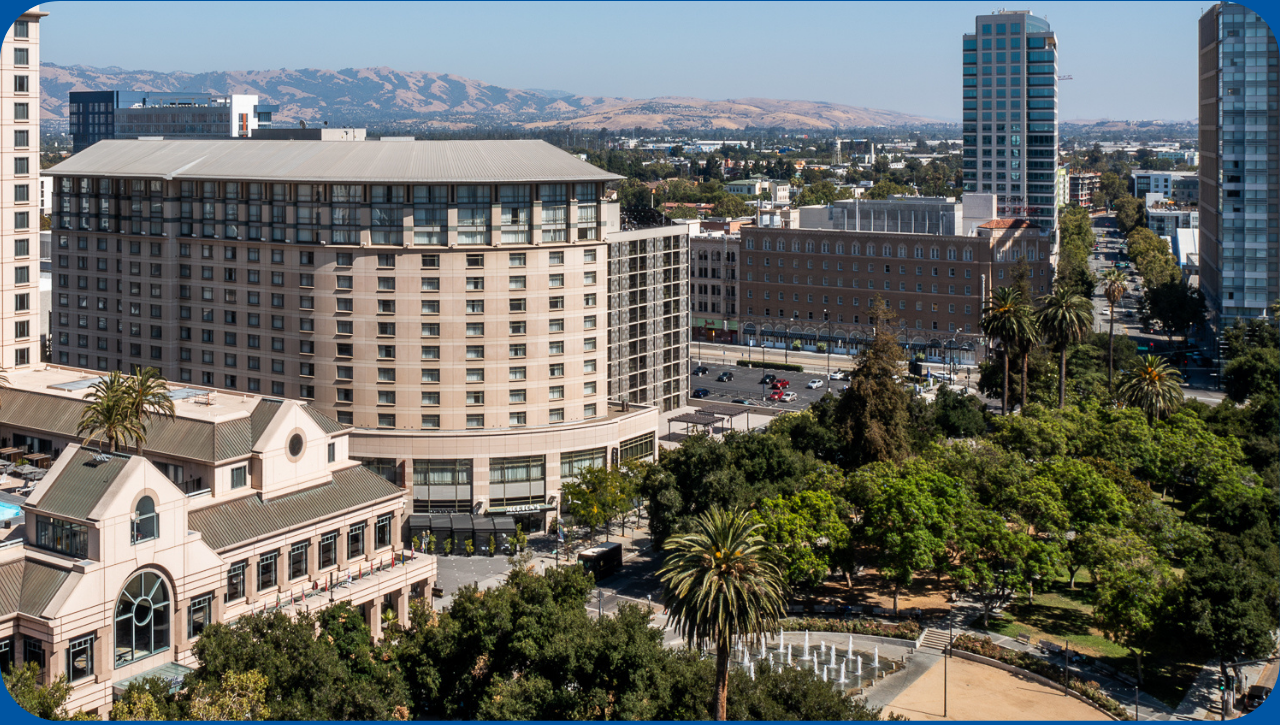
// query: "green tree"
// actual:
[[903, 520], [594, 497], [1114, 288], [149, 699], [239, 696], [883, 189], [1131, 603], [1009, 320], [1064, 317], [722, 583], [997, 561], [682, 212], [730, 206], [871, 415], [1253, 375], [1152, 386], [148, 396], [807, 530], [820, 193], [109, 417], [1176, 305], [1112, 187], [1131, 213], [48, 702]]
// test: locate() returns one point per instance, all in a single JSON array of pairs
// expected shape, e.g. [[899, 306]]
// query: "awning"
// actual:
[[171, 672], [695, 419]]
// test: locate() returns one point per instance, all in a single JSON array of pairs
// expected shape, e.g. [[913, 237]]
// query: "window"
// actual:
[[142, 619], [516, 259], [199, 615], [145, 523], [475, 375], [382, 531], [80, 658], [329, 549], [298, 560], [355, 541], [235, 581], [475, 421], [267, 574], [475, 329], [512, 283], [517, 373], [239, 477]]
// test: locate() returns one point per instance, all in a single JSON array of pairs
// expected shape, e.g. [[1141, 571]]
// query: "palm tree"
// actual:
[[148, 396], [1153, 385], [109, 417], [1114, 288], [1064, 317], [1007, 317], [723, 581]]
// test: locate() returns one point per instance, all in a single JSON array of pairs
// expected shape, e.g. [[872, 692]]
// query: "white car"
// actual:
[[788, 396], [837, 375], [814, 384]]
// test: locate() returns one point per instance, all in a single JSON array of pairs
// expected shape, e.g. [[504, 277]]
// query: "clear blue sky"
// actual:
[[1129, 60]]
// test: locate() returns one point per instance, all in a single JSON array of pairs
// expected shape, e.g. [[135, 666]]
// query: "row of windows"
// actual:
[[857, 320], [853, 284], [341, 193], [854, 248]]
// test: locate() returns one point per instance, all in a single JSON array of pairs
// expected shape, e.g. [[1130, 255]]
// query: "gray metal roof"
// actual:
[[188, 438], [28, 586], [81, 484], [422, 162], [244, 519]]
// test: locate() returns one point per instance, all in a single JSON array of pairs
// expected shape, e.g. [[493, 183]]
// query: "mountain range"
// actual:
[[388, 97]]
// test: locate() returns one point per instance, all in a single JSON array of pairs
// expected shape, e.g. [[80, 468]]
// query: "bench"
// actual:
[[1048, 646], [1024, 638]]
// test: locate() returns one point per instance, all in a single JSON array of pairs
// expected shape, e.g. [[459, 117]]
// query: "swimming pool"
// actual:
[[9, 511]]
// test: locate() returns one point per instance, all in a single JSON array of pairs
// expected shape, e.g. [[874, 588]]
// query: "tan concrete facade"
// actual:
[[292, 524], [20, 192], [444, 320]]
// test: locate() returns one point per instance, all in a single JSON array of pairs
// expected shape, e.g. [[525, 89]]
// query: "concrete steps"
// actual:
[[934, 639]]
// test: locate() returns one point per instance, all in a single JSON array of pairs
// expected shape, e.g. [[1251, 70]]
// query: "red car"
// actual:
[[776, 396], [783, 383]]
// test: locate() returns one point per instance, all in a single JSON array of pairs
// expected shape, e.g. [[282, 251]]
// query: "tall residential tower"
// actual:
[[1010, 115], [20, 192], [1239, 116]]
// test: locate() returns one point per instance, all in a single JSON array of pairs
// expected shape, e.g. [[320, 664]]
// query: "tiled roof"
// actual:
[[231, 523], [334, 161], [80, 484], [27, 586], [1009, 224]]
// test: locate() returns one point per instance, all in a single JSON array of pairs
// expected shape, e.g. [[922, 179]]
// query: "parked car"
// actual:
[[768, 379], [700, 393], [700, 370], [839, 375], [787, 397], [814, 384], [725, 377], [784, 383], [1255, 696], [743, 401], [775, 395], [777, 386]]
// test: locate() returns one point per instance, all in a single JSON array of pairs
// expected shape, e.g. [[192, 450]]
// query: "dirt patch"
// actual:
[[979, 692], [870, 589]]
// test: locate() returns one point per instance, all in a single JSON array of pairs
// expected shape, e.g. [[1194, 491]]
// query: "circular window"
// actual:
[[295, 445]]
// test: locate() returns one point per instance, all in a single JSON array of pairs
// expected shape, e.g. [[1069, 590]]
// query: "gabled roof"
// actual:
[[28, 586], [420, 162], [81, 484], [199, 440], [244, 519]]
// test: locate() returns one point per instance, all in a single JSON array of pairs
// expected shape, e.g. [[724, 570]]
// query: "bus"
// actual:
[[603, 560]]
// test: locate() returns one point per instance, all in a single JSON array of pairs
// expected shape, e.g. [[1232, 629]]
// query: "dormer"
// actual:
[[294, 449]]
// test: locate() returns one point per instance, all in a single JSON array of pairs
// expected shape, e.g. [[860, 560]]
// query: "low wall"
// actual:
[[1038, 678], [911, 644]]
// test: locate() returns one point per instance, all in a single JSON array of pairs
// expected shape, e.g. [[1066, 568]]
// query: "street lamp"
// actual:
[[828, 321]]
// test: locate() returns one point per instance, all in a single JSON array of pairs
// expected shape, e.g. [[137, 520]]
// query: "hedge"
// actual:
[[1029, 662], [908, 630], [790, 367]]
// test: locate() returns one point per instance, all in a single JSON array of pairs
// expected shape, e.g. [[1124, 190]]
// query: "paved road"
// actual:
[[746, 385]]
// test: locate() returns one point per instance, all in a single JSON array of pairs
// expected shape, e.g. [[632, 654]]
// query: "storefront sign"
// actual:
[[521, 509]]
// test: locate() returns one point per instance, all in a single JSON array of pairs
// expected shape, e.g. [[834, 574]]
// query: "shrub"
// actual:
[[909, 630], [790, 367]]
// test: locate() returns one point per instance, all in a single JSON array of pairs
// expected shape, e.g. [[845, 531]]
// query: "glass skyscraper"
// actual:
[[1011, 116], [1239, 125]]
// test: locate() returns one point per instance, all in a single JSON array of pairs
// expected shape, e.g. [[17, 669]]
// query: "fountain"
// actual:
[[849, 652], [788, 655], [875, 663], [842, 664], [806, 640], [859, 667]]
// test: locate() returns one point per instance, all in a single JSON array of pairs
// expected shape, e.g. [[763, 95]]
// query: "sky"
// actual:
[[1128, 60]]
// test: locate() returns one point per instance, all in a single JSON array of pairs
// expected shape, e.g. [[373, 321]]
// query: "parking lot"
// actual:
[[746, 386]]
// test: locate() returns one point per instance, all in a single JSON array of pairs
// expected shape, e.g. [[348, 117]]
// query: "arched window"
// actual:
[[919, 252], [768, 245], [808, 247], [999, 255], [886, 250], [839, 247], [751, 243], [1031, 255], [143, 615], [855, 248], [145, 524], [933, 253], [795, 246], [951, 254], [902, 251], [715, 256], [968, 254]]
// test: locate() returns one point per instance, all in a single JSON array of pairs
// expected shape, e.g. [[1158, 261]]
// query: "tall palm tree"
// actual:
[[1064, 317], [109, 416], [1114, 289], [1153, 385], [148, 396], [1007, 317], [722, 582]]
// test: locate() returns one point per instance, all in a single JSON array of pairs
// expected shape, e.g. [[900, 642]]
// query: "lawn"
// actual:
[[1064, 615]]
